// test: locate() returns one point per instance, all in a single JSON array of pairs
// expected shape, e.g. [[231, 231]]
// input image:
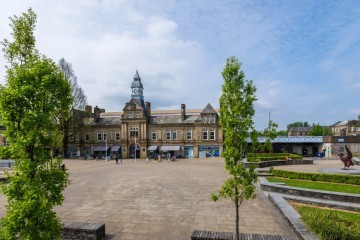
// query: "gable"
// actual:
[[132, 106]]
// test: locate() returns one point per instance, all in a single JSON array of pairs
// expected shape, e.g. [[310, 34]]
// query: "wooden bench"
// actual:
[[83, 230], [207, 235]]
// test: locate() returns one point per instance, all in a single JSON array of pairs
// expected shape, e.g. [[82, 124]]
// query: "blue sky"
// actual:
[[303, 56]]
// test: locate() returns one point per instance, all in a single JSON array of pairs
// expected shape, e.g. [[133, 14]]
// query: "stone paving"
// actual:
[[160, 200]]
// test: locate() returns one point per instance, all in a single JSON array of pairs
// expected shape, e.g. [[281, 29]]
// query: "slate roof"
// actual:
[[173, 119], [300, 129], [208, 109], [107, 121], [137, 81]]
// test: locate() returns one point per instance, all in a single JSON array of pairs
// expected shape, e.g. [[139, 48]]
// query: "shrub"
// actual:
[[336, 178], [329, 224]]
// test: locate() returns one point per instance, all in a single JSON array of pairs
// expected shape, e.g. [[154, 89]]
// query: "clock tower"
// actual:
[[137, 90]]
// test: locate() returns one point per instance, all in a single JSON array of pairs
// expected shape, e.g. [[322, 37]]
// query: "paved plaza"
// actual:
[[160, 200]]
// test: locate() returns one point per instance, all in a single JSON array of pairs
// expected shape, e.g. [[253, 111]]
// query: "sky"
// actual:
[[303, 55]]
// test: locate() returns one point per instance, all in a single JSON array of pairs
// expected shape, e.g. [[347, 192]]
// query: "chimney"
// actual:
[[148, 109], [96, 113], [88, 110], [183, 114]]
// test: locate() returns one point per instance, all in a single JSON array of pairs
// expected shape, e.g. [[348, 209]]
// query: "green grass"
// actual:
[[330, 224], [326, 186]]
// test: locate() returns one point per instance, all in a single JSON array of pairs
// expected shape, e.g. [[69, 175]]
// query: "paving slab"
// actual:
[[160, 200]]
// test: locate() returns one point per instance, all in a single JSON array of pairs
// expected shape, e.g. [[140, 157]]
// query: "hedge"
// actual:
[[271, 156], [321, 177]]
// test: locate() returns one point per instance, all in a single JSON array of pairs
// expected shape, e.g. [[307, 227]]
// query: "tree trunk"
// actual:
[[237, 213]]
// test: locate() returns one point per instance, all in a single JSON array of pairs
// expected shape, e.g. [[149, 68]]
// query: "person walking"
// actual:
[[116, 160]]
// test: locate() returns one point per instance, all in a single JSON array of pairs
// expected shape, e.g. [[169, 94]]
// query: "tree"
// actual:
[[236, 119], [34, 92], [270, 134], [318, 130], [297, 124], [71, 126]]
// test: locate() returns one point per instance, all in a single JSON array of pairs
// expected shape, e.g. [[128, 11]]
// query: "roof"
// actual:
[[172, 119], [158, 112], [300, 129], [208, 109], [137, 81], [293, 139]]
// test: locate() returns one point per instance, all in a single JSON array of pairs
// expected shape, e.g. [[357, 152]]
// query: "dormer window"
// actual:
[[129, 115], [137, 114]]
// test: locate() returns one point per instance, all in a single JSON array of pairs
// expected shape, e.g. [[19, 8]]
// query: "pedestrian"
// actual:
[[117, 160]]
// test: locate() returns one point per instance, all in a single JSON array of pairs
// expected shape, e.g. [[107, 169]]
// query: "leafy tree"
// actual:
[[297, 124], [318, 130], [270, 134], [34, 92], [282, 133], [72, 125], [236, 119]]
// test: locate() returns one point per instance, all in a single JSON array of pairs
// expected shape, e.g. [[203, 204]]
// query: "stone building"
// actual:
[[346, 128], [139, 132]]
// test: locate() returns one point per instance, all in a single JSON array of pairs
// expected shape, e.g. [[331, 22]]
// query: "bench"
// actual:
[[83, 231], [208, 235]]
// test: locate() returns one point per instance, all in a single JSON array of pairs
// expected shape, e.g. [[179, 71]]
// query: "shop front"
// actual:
[[209, 151]]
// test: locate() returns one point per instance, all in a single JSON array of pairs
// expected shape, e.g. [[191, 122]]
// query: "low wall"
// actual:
[[265, 164], [83, 231]]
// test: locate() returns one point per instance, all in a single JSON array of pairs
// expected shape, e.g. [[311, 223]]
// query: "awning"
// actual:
[[115, 148], [169, 148], [153, 148], [100, 148]]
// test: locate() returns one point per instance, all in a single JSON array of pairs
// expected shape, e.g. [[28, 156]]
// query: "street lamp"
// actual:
[[106, 149], [135, 149]]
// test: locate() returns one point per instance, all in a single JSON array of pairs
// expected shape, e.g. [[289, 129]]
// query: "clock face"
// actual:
[[135, 91], [140, 91]]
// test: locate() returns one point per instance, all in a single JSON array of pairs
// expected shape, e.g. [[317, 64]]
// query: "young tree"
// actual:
[[71, 126], [34, 92], [236, 119]]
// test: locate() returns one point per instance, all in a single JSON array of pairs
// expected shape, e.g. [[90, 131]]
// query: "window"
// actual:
[[204, 119], [87, 136], [137, 114], [71, 137], [134, 131], [205, 134], [352, 129], [209, 119], [174, 135], [168, 135], [99, 136], [117, 136], [213, 119], [188, 135], [357, 129], [129, 115], [212, 134], [153, 135], [104, 136]]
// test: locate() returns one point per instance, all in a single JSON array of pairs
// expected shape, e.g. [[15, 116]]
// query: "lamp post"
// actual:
[[135, 149], [106, 149]]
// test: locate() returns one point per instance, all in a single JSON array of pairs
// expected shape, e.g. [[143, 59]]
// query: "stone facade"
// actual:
[[139, 132]]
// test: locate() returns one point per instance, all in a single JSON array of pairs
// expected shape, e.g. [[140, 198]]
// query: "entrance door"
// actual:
[[134, 151]]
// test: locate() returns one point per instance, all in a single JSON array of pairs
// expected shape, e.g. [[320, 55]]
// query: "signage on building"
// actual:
[[340, 140]]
